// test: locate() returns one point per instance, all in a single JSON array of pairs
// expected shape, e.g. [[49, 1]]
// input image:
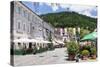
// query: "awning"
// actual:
[[23, 40], [30, 40], [59, 42], [43, 41], [91, 36]]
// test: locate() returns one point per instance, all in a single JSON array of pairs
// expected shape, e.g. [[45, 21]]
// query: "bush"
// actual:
[[85, 53], [72, 48], [93, 51], [34, 50], [41, 50], [18, 52], [29, 51], [50, 46], [87, 47]]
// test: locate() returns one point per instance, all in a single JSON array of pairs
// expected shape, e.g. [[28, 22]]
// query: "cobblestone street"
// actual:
[[56, 56]]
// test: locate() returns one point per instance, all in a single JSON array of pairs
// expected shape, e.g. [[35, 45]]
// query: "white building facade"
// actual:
[[26, 24]]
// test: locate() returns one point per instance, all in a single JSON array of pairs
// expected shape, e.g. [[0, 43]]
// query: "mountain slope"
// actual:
[[70, 19]]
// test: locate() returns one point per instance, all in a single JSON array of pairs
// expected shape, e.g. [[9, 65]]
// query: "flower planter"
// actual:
[[93, 53], [93, 56], [84, 57], [71, 57], [72, 49], [85, 54]]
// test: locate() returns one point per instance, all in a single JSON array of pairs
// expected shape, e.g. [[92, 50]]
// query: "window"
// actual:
[[18, 37], [24, 27], [19, 10], [25, 13], [22, 12], [24, 45], [19, 45], [33, 19], [28, 16], [19, 26], [16, 9], [28, 28]]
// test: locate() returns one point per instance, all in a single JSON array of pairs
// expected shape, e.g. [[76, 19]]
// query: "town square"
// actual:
[[52, 33]]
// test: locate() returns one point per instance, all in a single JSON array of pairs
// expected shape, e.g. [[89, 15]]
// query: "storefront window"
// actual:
[[19, 44]]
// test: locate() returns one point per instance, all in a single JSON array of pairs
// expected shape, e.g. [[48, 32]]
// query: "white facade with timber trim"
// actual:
[[26, 24]]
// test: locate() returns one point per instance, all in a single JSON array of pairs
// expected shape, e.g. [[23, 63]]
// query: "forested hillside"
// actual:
[[70, 19]]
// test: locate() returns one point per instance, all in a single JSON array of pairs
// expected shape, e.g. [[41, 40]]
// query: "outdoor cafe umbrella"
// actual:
[[24, 40], [43, 41], [91, 36]]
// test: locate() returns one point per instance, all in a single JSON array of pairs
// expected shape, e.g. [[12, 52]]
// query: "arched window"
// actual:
[[19, 25], [19, 45], [24, 45]]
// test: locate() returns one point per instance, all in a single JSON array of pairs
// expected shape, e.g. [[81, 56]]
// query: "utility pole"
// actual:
[[78, 40]]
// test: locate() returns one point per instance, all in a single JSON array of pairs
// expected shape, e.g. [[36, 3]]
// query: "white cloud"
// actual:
[[85, 10], [41, 3], [82, 9], [56, 7], [79, 8], [64, 6], [53, 6], [88, 13]]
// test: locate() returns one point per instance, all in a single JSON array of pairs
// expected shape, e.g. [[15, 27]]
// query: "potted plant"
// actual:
[[29, 51], [85, 54], [34, 50], [87, 47], [93, 53], [72, 49]]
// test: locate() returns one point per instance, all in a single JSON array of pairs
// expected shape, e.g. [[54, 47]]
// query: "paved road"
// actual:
[[56, 56]]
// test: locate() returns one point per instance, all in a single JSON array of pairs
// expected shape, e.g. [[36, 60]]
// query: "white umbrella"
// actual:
[[30, 40], [21, 40], [34, 40], [60, 42], [25, 40], [42, 41], [46, 42]]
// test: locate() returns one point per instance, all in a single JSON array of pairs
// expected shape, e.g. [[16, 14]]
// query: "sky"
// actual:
[[44, 8]]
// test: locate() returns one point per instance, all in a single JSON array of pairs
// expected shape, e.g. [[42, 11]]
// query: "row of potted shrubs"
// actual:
[[88, 52], [28, 51], [31, 50], [83, 52]]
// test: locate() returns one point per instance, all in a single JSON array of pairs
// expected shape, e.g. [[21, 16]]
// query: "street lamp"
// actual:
[[78, 40]]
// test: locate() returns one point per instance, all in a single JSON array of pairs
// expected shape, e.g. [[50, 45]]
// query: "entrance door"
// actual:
[[30, 45]]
